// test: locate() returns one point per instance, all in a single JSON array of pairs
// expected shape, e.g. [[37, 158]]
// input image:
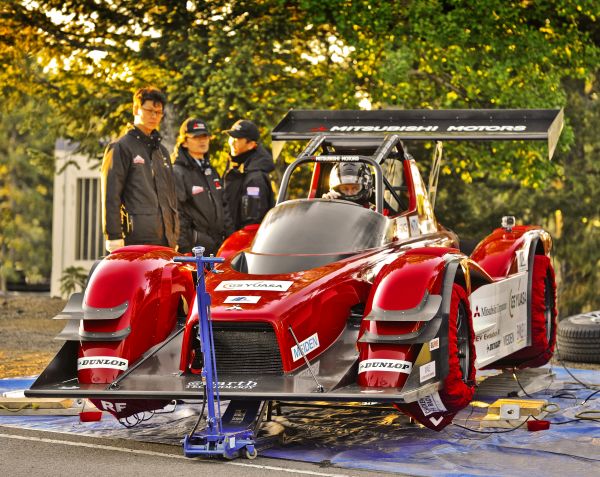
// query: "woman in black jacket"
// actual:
[[202, 211]]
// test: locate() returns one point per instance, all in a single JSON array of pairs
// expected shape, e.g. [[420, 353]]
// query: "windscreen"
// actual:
[[319, 226]]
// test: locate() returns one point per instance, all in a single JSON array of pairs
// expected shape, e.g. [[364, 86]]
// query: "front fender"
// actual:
[[406, 309], [130, 304]]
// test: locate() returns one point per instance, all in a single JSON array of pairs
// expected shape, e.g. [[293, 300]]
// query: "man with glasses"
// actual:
[[139, 199]]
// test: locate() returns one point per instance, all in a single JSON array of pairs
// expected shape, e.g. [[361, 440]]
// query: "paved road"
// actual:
[[37, 453]]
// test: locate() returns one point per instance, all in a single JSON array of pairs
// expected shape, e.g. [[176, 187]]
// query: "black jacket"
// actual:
[[248, 188], [139, 201], [202, 211]]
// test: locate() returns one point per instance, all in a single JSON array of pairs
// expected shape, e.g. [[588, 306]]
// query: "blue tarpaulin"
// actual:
[[377, 439]]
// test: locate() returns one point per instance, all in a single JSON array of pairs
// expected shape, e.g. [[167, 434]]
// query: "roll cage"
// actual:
[[376, 136], [390, 148]]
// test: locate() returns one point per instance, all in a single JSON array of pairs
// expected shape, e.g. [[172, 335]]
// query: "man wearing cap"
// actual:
[[139, 201], [247, 183], [202, 211]]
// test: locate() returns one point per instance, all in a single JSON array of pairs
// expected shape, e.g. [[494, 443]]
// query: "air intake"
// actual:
[[245, 348]]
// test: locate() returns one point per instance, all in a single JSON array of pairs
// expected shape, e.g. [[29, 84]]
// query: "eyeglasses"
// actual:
[[153, 112]]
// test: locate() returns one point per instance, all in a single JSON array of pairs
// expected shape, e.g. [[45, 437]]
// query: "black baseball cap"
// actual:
[[244, 128], [194, 127]]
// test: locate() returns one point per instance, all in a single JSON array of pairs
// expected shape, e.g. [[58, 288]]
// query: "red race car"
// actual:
[[329, 299]]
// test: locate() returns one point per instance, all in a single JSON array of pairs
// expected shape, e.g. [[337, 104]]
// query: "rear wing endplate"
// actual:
[[425, 124]]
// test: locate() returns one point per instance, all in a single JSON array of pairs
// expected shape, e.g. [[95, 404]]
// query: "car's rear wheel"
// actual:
[[543, 319]]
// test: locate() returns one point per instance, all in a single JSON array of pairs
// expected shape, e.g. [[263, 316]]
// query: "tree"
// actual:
[[26, 179], [224, 59]]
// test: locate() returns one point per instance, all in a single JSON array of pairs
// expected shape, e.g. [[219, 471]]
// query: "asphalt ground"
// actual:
[[35, 453]]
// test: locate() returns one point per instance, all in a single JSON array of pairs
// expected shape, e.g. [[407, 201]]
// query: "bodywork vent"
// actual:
[[245, 348]]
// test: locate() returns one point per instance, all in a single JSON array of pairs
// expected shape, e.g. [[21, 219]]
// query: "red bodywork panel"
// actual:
[[401, 285], [152, 285], [496, 253], [237, 241], [317, 297]]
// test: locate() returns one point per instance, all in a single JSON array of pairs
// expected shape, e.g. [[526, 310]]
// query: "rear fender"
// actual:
[[404, 329], [503, 253], [238, 241]]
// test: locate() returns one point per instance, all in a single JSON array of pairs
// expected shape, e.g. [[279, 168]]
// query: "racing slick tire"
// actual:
[[543, 319], [579, 338], [459, 385]]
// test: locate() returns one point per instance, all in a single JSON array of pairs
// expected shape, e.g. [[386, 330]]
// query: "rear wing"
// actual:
[[424, 124]]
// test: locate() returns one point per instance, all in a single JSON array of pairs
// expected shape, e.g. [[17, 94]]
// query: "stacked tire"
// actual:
[[579, 338]]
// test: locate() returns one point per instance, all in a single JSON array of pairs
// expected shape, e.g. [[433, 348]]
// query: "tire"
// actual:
[[459, 385], [579, 338], [543, 319]]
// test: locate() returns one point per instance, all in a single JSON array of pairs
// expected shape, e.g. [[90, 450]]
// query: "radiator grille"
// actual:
[[246, 348]]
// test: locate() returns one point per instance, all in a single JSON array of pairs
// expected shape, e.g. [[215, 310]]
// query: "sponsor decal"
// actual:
[[309, 344], [392, 365], [521, 261], [242, 299], [337, 158], [494, 345], [427, 226], [508, 339], [487, 335], [234, 308], [427, 371], [489, 310], [431, 404], [113, 406], [436, 420], [253, 191], [268, 285], [197, 190], [110, 362], [517, 300], [409, 128], [402, 224], [434, 344], [520, 332], [138, 160], [485, 128], [422, 128], [414, 225], [242, 385], [499, 310]]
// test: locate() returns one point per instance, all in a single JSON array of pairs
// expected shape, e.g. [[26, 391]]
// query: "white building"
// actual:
[[77, 222]]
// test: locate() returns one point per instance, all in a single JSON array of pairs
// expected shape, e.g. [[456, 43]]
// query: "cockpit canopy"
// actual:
[[304, 234], [319, 226]]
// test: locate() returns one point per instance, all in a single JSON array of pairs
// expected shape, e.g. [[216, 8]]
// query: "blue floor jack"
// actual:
[[229, 435]]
